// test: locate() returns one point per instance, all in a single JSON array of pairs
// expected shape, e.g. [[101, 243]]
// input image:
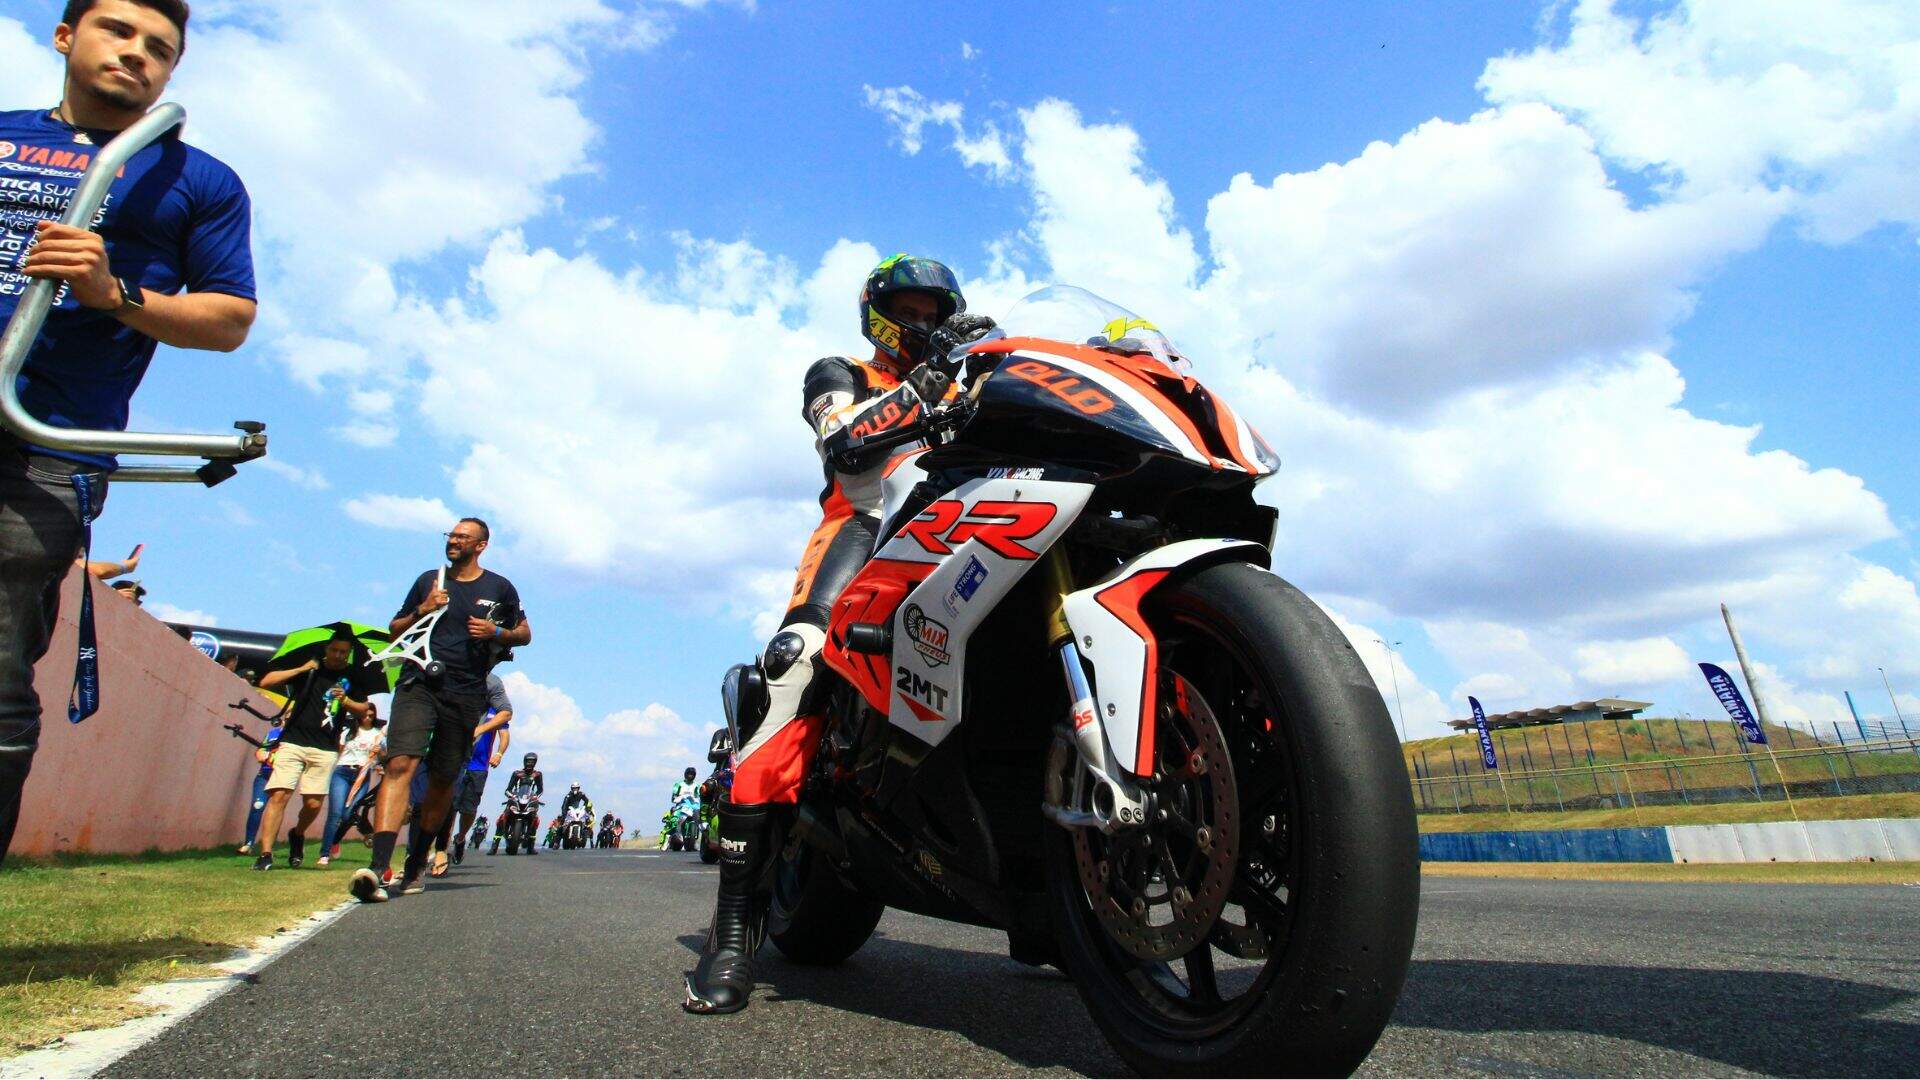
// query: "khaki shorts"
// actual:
[[305, 768]]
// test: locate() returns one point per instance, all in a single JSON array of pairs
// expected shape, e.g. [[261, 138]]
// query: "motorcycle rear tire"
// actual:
[[1355, 854], [813, 916]]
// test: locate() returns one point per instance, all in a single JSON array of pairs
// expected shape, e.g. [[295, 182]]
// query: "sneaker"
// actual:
[[333, 852], [459, 851], [366, 887], [264, 862], [323, 861], [296, 849], [414, 885]]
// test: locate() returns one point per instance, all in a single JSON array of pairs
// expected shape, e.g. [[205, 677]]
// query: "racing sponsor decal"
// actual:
[[929, 636], [1003, 473], [920, 690], [206, 643], [6, 149], [1069, 388], [964, 586]]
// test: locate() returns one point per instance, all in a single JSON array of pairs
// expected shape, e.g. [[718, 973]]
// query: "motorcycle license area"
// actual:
[[1239, 540]]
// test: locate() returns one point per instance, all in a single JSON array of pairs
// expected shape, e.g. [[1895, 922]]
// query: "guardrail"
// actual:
[[221, 452]]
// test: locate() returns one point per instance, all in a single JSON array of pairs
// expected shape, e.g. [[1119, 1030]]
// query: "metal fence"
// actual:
[[1459, 783]]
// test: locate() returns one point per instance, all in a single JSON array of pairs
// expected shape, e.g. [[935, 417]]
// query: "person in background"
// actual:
[[360, 745], [264, 754], [107, 569], [171, 262], [131, 589], [490, 741], [433, 720], [309, 746]]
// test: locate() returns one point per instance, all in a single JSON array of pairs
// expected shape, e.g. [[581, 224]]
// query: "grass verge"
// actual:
[[1828, 809], [81, 935], [1880, 873]]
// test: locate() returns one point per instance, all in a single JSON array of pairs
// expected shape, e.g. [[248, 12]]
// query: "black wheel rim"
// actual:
[[1217, 983]]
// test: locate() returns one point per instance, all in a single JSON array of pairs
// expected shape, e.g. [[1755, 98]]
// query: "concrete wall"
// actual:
[[153, 768], [1874, 839]]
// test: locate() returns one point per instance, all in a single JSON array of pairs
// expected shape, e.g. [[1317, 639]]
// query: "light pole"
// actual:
[[1394, 670], [1890, 697]]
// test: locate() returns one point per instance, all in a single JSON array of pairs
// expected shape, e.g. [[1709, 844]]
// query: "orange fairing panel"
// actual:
[[871, 597], [1118, 642], [1222, 441]]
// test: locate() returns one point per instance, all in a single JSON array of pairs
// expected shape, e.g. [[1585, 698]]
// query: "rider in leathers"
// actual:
[[576, 797], [526, 778], [911, 310]]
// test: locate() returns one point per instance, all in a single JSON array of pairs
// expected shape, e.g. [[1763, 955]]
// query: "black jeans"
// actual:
[[40, 532]]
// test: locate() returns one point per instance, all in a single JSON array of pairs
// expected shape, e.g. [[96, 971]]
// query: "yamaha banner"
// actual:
[[1728, 692], [1487, 757]]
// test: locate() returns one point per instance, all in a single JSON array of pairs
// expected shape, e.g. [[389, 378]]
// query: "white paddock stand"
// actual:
[[416, 645]]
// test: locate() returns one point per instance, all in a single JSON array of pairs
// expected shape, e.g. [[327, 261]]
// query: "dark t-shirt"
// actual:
[[175, 219], [467, 660], [308, 723]]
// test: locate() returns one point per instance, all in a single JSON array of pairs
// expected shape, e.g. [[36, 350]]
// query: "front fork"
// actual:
[[1116, 802]]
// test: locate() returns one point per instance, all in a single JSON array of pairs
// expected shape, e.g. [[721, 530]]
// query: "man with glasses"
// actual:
[[434, 717]]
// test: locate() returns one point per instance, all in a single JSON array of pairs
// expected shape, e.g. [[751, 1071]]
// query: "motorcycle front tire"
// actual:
[[1350, 936]]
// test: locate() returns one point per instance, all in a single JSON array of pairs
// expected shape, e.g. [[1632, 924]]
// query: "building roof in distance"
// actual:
[[1597, 709]]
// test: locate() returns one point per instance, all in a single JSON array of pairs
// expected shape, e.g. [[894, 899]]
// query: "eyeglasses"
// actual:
[[463, 538]]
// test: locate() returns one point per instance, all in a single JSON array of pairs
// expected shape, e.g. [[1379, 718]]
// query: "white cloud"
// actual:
[[626, 760], [1636, 663], [410, 513], [166, 612], [1817, 98], [310, 479], [910, 113]]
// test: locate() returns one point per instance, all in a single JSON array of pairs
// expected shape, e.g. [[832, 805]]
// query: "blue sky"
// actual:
[[1459, 294]]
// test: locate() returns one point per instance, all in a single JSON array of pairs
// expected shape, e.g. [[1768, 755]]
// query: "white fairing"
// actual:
[[1118, 653], [934, 624]]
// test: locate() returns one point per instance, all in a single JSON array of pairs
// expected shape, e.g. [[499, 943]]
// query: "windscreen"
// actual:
[[1074, 315]]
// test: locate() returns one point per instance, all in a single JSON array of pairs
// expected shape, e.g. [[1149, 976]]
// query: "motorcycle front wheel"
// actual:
[[1263, 921], [813, 916]]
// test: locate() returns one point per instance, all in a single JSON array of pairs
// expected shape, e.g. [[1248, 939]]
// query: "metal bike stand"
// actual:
[[222, 452]]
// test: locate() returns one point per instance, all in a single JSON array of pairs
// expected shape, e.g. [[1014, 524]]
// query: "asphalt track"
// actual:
[[570, 964]]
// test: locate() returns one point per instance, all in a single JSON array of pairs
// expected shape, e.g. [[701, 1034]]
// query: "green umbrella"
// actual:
[[311, 643]]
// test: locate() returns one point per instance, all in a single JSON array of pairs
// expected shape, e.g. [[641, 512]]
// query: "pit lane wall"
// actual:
[[1871, 839], [153, 768]]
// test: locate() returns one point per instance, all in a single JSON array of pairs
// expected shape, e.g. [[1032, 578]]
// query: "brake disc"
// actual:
[[1158, 890]]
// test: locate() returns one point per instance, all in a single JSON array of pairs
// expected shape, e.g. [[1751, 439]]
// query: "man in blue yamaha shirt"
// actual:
[[171, 262]]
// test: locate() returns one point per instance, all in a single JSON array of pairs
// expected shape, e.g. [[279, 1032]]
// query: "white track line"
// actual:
[[85, 1053]]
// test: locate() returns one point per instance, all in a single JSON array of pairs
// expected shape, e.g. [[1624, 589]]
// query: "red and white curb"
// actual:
[[85, 1053]]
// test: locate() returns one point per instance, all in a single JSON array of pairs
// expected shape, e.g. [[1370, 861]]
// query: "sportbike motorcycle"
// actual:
[[1067, 698], [576, 830], [520, 821], [479, 834], [682, 825], [712, 790], [603, 838]]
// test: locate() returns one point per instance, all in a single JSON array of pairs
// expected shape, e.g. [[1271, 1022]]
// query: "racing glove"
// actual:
[[958, 330]]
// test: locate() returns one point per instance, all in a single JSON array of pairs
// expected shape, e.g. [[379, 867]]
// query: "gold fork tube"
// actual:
[[1059, 583]]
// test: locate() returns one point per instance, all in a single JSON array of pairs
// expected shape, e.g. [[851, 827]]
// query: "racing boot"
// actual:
[[724, 977]]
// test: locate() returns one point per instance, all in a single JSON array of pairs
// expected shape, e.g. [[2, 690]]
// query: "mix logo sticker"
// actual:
[[964, 586], [929, 636]]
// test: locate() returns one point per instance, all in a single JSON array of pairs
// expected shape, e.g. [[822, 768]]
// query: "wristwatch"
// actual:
[[129, 297]]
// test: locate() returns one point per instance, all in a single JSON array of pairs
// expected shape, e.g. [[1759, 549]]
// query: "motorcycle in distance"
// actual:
[[604, 838], [1068, 699], [577, 830], [479, 834], [553, 834], [520, 822], [682, 824]]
